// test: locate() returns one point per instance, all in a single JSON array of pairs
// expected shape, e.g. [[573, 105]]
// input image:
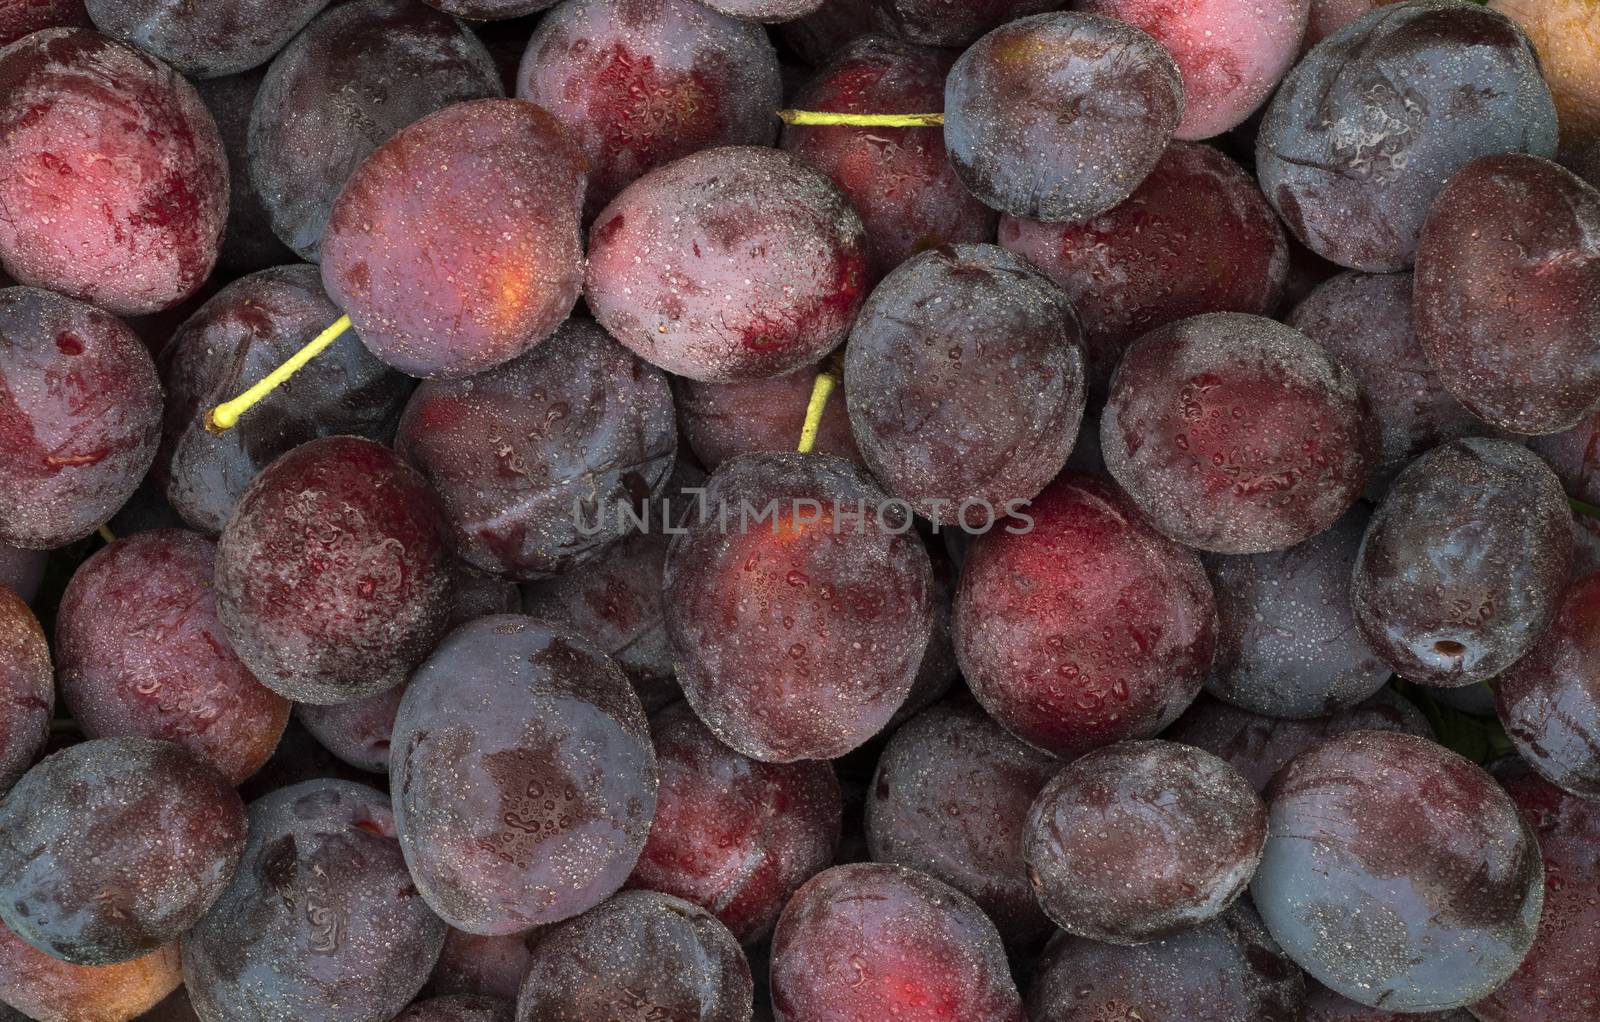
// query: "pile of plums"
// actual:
[[820, 511]]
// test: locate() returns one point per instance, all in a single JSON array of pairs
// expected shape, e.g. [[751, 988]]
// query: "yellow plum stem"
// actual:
[[826, 381], [826, 119], [226, 415], [106, 534]]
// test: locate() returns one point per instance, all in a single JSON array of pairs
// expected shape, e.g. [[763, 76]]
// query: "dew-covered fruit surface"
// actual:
[[1060, 116], [1559, 981], [348, 82], [244, 332], [47, 989], [25, 17], [1287, 641], [1508, 293], [950, 797], [717, 421], [1227, 970], [900, 181], [334, 572], [1196, 236], [1462, 566], [797, 634], [735, 263], [1549, 701], [456, 246], [27, 688], [116, 184], [640, 952], [1089, 627], [1192, 824], [208, 39], [731, 834], [538, 460], [1365, 131], [142, 653], [321, 922], [1364, 320], [964, 379], [505, 820], [1398, 873], [640, 83], [866, 942], [111, 848], [80, 417], [1237, 435]]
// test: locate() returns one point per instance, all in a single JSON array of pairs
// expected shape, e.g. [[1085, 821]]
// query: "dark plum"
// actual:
[[357, 732], [950, 797], [1258, 746], [721, 420], [21, 570], [1060, 116], [939, 671], [867, 942], [240, 335], [1227, 970], [537, 459], [334, 572], [1549, 701], [1287, 641], [27, 688], [116, 189], [47, 989], [1398, 873], [482, 966], [819, 35], [898, 179], [640, 83], [1231, 55], [479, 594], [1588, 165], [1559, 981], [1463, 563], [733, 835], [205, 40], [949, 23], [1196, 236], [321, 922], [1323, 1005], [1508, 293], [248, 243], [25, 17], [615, 600], [1574, 456], [113, 847], [490, 10], [80, 417], [1566, 36], [1365, 322], [174, 1008], [1365, 131], [141, 653], [1189, 823], [456, 247], [798, 607], [731, 264], [357, 74], [638, 955], [1237, 435], [964, 378], [505, 819], [1088, 629], [457, 1009], [1329, 16]]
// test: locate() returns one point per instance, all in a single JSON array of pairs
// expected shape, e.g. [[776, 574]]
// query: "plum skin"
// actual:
[[512, 713], [27, 686], [1112, 624], [117, 193]]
